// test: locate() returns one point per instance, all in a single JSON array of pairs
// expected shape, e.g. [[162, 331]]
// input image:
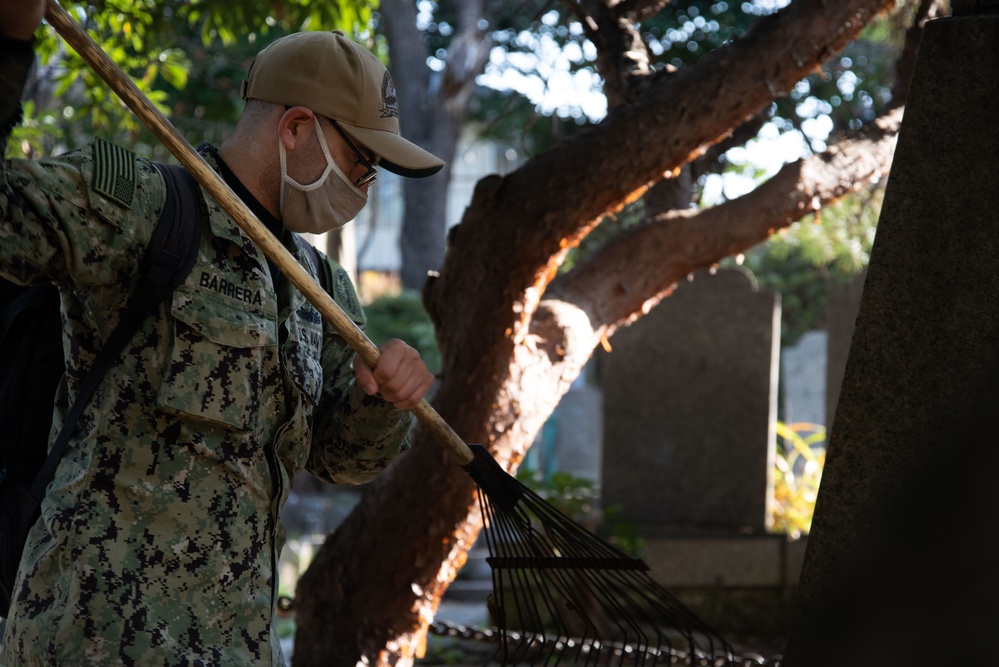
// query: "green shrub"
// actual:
[[403, 316], [800, 458], [577, 498]]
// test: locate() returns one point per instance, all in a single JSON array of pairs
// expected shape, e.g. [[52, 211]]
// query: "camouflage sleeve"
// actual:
[[82, 219], [16, 59], [355, 436], [73, 220]]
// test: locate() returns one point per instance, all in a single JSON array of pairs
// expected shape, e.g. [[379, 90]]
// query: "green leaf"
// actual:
[[174, 67]]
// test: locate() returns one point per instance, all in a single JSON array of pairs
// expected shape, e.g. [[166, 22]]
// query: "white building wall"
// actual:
[[378, 226]]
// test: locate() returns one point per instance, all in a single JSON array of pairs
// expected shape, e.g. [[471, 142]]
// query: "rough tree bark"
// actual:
[[513, 338]]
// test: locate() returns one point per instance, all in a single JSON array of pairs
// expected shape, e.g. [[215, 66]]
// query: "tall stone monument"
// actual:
[[901, 564]]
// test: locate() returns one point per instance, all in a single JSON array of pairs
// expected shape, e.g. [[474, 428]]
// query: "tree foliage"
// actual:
[[189, 59], [831, 246]]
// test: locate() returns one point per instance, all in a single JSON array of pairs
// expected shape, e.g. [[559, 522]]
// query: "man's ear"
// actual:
[[295, 125]]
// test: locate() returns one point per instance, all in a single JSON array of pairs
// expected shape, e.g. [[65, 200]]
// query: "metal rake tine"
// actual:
[[532, 584], [540, 546], [510, 594], [592, 579], [566, 585], [574, 539], [577, 543], [571, 593]]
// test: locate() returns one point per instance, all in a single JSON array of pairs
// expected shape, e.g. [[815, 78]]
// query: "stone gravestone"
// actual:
[[803, 379], [841, 315], [689, 402], [690, 395], [901, 565]]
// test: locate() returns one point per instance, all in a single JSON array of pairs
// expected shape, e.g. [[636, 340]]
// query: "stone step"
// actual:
[[469, 590]]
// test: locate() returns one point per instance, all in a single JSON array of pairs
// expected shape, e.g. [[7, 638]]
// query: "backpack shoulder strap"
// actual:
[[169, 257], [28, 298], [173, 247]]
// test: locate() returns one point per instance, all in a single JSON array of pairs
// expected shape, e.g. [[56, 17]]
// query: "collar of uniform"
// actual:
[[232, 230]]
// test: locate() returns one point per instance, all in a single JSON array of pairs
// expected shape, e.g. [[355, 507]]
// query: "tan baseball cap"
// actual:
[[337, 78]]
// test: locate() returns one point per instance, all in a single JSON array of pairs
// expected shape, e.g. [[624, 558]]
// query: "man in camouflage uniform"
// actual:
[[160, 533]]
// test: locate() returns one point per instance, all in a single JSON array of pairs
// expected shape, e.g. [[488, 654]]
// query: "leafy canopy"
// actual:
[[188, 58]]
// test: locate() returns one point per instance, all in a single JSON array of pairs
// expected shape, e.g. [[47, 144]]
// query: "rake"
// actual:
[[560, 593]]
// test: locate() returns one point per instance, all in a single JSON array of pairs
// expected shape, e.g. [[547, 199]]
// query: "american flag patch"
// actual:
[[114, 172]]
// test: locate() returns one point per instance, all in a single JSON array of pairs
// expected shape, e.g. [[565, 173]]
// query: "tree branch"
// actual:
[[622, 58], [638, 10], [647, 263], [675, 121], [928, 9], [466, 58]]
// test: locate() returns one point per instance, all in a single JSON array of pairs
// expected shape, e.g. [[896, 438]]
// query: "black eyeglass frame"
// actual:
[[371, 175]]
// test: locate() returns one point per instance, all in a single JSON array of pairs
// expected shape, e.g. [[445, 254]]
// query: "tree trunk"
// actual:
[[510, 349], [433, 120]]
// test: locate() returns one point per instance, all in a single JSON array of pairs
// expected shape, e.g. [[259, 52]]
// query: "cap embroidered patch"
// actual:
[[390, 107], [114, 172]]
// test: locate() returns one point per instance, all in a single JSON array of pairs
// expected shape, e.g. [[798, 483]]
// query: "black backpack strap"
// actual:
[[173, 247], [169, 257], [32, 364], [28, 298]]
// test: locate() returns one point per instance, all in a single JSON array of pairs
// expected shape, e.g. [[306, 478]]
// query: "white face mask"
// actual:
[[327, 204]]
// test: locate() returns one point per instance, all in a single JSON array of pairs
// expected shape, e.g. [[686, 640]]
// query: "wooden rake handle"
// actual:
[[151, 117]]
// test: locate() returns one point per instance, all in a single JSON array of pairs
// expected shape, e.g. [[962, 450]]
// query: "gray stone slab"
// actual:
[[803, 379], [689, 404], [578, 441], [735, 561], [844, 302]]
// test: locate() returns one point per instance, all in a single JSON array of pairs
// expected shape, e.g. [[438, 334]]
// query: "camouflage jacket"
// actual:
[[160, 534]]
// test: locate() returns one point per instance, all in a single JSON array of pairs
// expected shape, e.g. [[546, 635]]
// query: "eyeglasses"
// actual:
[[371, 175]]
